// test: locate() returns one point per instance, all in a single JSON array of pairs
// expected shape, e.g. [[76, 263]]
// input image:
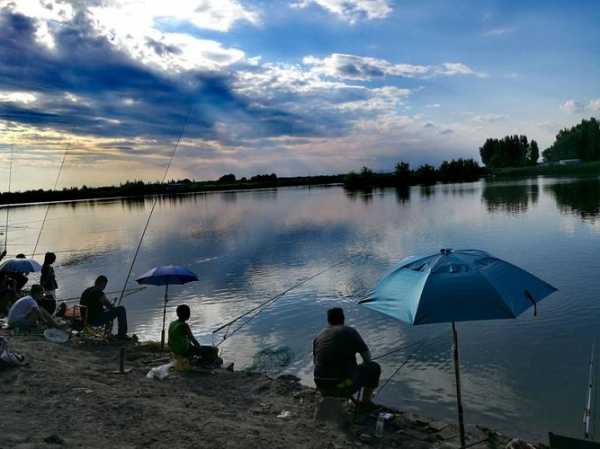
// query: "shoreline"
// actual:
[[68, 395]]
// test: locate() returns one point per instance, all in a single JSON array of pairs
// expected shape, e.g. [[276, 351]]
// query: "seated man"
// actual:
[[26, 314], [334, 355], [100, 311], [182, 342]]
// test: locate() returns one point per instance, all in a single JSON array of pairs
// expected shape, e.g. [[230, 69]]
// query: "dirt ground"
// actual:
[[68, 396]]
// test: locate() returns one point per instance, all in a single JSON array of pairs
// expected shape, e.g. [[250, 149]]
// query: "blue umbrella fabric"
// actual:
[[452, 286], [20, 266], [167, 275]]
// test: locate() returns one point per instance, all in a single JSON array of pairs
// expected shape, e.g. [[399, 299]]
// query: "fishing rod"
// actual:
[[10, 170], [259, 308], [60, 168], [587, 413], [154, 202], [128, 292]]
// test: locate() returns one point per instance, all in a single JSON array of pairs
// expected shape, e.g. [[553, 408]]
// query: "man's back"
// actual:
[[20, 310], [334, 352], [91, 298]]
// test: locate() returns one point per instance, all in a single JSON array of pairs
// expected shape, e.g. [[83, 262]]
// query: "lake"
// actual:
[[525, 376]]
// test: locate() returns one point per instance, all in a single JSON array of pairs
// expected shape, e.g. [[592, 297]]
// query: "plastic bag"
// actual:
[[160, 372]]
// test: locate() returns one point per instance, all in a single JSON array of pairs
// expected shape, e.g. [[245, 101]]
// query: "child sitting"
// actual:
[[182, 342]]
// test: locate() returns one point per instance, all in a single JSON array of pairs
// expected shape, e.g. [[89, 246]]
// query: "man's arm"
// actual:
[[105, 301], [40, 314], [46, 317], [366, 356]]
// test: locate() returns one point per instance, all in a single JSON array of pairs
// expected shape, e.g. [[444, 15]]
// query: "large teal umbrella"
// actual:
[[451, 286]]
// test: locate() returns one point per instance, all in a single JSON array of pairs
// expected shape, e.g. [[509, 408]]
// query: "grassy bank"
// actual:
[[583, 169]]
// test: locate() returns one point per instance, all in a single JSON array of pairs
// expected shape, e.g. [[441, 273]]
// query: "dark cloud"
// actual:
[[102, 77]]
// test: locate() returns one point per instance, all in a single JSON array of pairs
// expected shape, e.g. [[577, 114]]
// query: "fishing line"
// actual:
[[410, 356], [10, 170], [268, 302], [60, 168], [154, 202]]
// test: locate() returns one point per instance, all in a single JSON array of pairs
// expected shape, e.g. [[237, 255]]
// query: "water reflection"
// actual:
[[580, 197], [513, 198], [249, 246]]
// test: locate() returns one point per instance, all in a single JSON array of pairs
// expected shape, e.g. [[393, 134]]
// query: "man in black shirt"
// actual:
[[334, 354], [100, 310]]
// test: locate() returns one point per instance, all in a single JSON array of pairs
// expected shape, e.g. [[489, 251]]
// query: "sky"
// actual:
[[299, 87]]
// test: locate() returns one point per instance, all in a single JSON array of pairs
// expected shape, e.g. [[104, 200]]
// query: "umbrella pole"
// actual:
[[162, 333], [461, 424]]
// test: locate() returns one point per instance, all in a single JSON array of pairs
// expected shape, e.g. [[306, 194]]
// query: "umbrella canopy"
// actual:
[[461, 285], [451, 286], [20, 266], [167, 275]]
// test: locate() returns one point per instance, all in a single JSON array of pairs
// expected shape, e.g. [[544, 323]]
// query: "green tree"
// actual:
[[402, 173], [533, 153]]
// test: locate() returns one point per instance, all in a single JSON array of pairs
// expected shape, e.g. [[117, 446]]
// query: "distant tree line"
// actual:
[[582, 141], [172, 187], [510, 151], [455, 170]]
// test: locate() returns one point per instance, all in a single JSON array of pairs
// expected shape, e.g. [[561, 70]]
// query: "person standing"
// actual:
[[48, 278], [100, 310], [336, 372]]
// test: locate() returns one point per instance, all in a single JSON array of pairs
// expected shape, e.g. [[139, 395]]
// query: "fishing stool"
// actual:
[[182, 363]]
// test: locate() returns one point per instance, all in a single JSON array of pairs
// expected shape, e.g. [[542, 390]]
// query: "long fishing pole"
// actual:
[[128, 292], [154, 202], [12, 152], [60, 168], [270, 301], [587, 414]]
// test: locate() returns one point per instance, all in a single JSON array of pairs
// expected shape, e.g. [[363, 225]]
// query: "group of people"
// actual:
[[336, 372], [29, 310], [12, 286]]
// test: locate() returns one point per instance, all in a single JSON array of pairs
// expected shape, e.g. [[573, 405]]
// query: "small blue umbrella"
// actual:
[[166, 275], [20, 266], [451, 286]]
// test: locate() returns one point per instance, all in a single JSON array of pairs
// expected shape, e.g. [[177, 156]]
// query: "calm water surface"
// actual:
[[525, 376]]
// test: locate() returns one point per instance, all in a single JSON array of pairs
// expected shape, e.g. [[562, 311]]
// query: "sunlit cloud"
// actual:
[[17, 97], [362, 68], [351, 10]]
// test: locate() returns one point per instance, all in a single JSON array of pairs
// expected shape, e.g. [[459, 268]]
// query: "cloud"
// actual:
[[134, 26], [489, 118], [351, 10], [344, 66], [89, 86], [17, 97], [499, 31], [576, 107], [594, 105]]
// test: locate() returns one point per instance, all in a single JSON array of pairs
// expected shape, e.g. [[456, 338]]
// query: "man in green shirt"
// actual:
[[182, 342]]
